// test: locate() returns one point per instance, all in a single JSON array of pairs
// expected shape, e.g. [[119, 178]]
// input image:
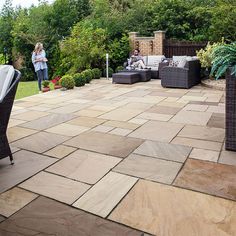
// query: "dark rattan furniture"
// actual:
[[5, 112], [145, 74], [230, 129], [126, 78], [178, 77]]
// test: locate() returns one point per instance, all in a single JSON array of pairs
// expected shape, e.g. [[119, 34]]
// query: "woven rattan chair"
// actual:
[[5, 112], [178, 77]]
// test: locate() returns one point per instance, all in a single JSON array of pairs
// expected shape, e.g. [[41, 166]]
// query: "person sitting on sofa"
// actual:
[[136, 60]]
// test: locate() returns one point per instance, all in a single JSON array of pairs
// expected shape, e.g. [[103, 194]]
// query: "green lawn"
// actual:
[[29, 88]]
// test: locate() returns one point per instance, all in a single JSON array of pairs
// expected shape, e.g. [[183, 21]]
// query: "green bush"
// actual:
[[118, 68], [110, 72], [27, 74], [79, 79], [97, 73], [88, 75], [67, 82], [91, 73]]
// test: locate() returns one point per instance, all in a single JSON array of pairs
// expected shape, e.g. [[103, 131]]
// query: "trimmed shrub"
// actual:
[[67, 82], [97, 73], [110, 72], [79, 79], [118, 68], [91, 73], [88, 75]]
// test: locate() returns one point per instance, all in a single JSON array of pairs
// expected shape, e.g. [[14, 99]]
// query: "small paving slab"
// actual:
[[48, 121], [86, 121], [26, 164], [16, 133], [105, 143], [121, 124], [157, 131], [163, 150], [40, 142], [106, 194], [56, 187], [13, 200], [228, 157], [203, 133], [84, 166], [205, 155], [149, 168], [164, 110], [30, 115], [60, 151], [208, 177], [165, 210], [48, 217], [217, 120]]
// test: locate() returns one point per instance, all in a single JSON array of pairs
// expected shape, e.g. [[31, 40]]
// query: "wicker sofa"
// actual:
[[8, 86], [184, 76]]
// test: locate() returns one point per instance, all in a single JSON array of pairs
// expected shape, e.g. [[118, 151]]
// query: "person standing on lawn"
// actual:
[[39, 61]]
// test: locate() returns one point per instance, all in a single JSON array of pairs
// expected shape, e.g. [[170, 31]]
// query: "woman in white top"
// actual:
[[39, 61]]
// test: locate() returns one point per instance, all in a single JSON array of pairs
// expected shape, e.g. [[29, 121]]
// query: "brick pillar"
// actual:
[[158, 44], [132, 38]]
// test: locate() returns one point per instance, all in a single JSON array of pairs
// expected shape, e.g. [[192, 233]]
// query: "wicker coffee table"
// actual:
[[126, 77]]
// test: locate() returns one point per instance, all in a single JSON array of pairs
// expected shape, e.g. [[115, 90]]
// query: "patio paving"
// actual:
[[108, 159]]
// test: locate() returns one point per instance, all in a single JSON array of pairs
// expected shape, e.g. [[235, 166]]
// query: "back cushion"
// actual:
[[178, 58], [6, 77], [154, 60]]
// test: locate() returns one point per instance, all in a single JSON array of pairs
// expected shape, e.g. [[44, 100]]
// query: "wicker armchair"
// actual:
[[5, 112], [178, 77]]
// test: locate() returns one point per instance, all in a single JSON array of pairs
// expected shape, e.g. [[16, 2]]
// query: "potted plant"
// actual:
[[46, 87], [56, 82], [224, 63]]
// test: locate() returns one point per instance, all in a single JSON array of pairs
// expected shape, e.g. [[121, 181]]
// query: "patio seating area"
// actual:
[[115, 159]]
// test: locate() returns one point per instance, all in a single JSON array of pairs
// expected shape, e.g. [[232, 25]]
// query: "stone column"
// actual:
[[158, 44], [132, 38]]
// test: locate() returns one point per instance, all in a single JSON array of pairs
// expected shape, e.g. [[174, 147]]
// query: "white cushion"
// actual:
[[145, 60], [6, 76], [182, 63], [178, 58], [155, 59]]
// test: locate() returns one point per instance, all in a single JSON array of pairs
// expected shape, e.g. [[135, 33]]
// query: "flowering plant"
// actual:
[[56, 80]]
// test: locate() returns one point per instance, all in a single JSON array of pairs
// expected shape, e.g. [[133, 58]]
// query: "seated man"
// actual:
[[136, 60]]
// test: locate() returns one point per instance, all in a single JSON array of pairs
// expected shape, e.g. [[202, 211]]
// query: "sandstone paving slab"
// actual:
[[208, 177], [14, 122], [106, 194], [102, 128], [167, 103], [164, 110], [15, 133], [138, 106], [203, 133], [154, 116], [56, 187], [48, 121], [120, 131], [84, 166], [205, 155], [216, 121], [13, 200], [137, 93], [122, 124], [30, 115], [165, 210], [2, 218], [86, 121], [121, 114], [167, 151], [202, 144], [138, 121], [60, 151], [157, 131], [192, 117], [165, 94], [149, 168], [69, 108], [89, 113], [67, 129], [48, 217], [228, 157], [40, 142], [216, 109], [147, 99], [109, 144], [26, 164], [195, 107], [204, 103]]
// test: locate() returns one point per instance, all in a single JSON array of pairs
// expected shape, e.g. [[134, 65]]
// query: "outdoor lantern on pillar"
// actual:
[[137, 44], [151, 45]]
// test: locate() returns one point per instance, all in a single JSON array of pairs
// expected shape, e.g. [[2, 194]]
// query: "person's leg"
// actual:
[[40, 77], [141, 64], [45, 74]]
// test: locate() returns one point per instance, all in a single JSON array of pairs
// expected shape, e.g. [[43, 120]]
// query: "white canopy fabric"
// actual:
[[6, 76]]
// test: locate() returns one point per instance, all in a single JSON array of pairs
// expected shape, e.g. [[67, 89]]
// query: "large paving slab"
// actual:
[[60, 151], [48, 121], [13, 200], [203, 133], [105, 143], [84, 166], [163, 150], [40, 142], [56, 187], [86, 121], [15, 133], [192, 117], [47, 217], [165, 210], [149, 168], [157, 131], [217, 120], [26, 164], [121, 124], [30, 115], [208, 177], [106, 194], [164, 110]]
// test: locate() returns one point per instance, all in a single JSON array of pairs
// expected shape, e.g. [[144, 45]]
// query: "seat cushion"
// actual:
[[6, 76]]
